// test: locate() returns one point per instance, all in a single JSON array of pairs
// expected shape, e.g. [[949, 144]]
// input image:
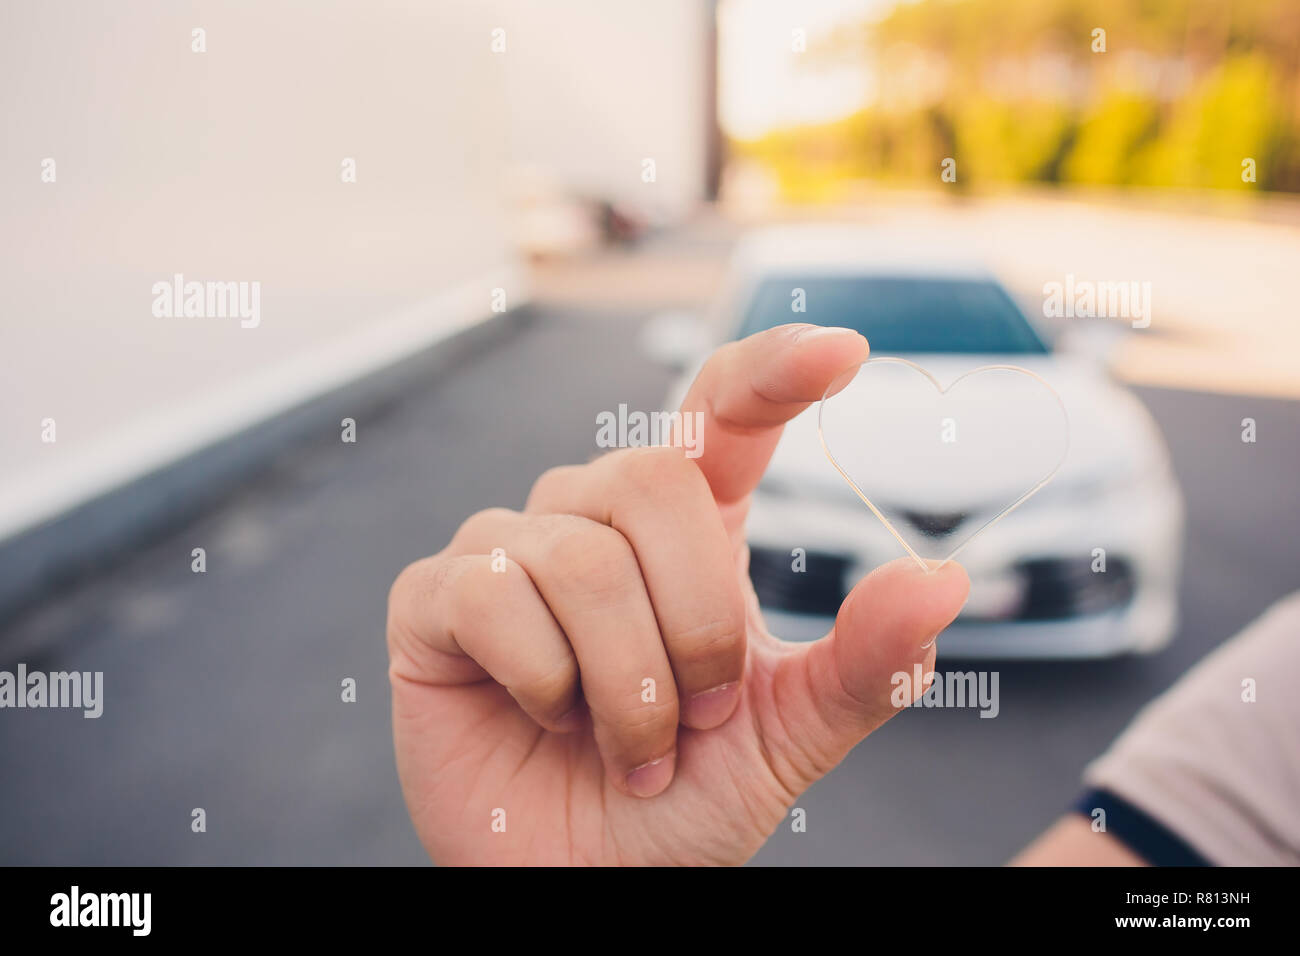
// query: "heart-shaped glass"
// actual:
[[940, 465]]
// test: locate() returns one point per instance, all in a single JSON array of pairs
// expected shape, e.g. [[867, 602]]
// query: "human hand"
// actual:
[[521, 732]]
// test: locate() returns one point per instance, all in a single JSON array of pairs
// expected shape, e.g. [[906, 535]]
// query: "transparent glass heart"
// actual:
[[939, 463]]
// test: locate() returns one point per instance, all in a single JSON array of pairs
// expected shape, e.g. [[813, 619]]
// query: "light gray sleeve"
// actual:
[[1216, 758]]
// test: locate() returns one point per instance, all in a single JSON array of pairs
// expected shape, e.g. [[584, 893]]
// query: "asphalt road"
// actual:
[[223, 688]]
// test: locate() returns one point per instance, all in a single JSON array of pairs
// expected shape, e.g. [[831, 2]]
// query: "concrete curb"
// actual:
[[44, 558]]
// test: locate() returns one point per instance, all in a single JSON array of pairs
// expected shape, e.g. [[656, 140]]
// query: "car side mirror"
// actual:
[[674, 338]]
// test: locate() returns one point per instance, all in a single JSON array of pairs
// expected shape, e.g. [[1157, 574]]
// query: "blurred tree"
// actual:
[[1001, 142], [1013, 89], [1234, 113], [1109, 137]]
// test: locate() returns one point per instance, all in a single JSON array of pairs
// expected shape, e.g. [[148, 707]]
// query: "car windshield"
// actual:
[[901, 314]]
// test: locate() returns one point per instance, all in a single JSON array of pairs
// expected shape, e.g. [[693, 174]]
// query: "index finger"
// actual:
[[749, 389]]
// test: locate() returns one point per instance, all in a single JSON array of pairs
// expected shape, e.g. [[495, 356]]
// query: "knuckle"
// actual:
[[439, 577], [549, 483], [483, 525], [397, 593], [422, 583], [655, 473], [710, 640], [549, 691], [587, 556], [417, 578], [401, 584]]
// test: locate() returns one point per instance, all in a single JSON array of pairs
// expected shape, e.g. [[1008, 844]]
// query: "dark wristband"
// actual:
[[1139, 831]]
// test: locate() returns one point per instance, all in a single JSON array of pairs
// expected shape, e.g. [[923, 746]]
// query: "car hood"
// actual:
[[1111, 439]]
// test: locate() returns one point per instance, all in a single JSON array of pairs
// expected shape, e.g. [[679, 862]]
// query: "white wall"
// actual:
[[225, 165]]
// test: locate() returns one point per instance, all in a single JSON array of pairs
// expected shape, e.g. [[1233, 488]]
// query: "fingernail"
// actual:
[[816, 331], [930, 643], [709, 708], [653, 777]]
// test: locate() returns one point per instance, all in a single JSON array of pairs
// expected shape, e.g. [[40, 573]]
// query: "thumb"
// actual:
[[834, 692], [749, 389]]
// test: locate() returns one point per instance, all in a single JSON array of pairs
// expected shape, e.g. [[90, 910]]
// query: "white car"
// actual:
[[1037, 587]]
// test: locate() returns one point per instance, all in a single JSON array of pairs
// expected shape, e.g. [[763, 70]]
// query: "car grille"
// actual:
[[935, 525], [818, 590], [1055, 589], [1059, 589]]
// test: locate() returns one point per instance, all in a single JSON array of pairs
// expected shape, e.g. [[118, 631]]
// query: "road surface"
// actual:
[[223, 688]]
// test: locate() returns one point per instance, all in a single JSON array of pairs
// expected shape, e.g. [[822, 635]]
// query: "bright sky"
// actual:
[[763, 83]]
